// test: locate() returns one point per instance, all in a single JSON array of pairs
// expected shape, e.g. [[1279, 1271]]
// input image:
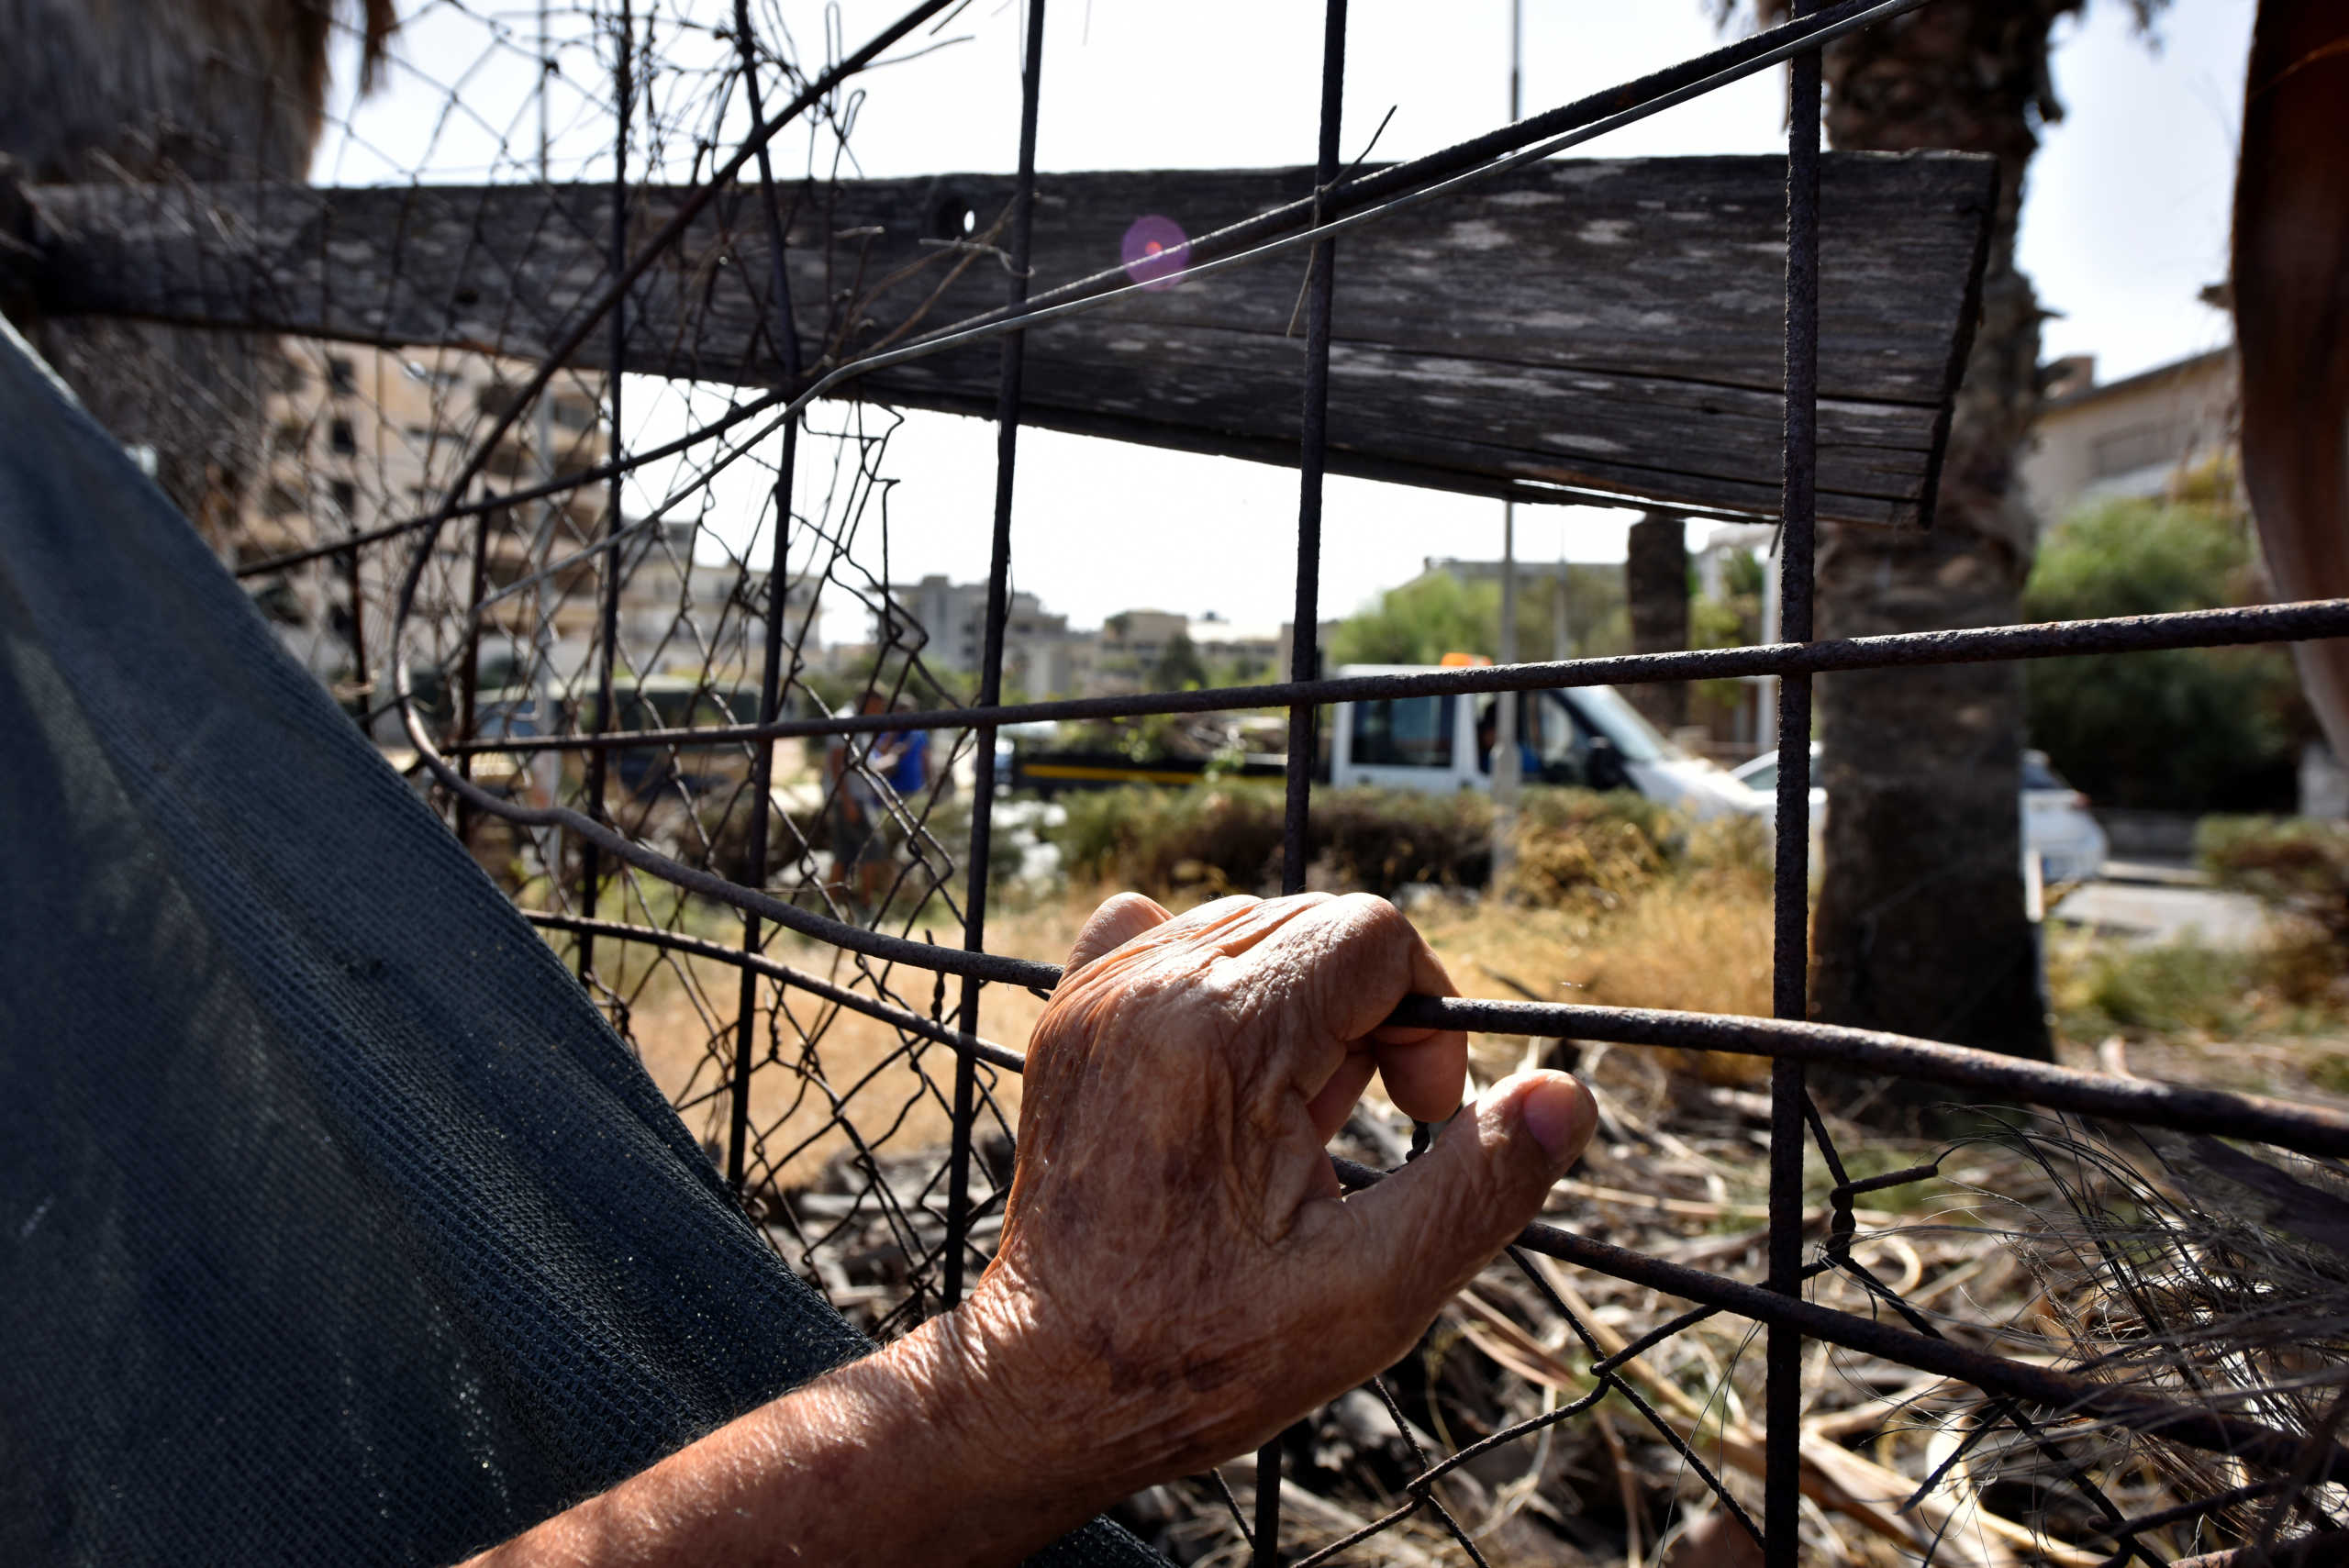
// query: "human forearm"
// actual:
[[912, 1455]]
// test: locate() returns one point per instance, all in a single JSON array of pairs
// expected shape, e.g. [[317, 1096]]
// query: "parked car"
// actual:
[[501, 714], [1587, 735], [2056, 825]]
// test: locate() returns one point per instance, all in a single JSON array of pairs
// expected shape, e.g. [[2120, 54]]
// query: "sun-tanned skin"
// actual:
[[1178, 1277]]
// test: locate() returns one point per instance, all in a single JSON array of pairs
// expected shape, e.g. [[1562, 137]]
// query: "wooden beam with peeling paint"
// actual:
[[1571, 328]]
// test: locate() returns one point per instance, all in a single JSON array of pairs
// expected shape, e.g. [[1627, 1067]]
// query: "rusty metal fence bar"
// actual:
[[1007, 452], [1790, 875], [612, 568], [612, 851], [2303, 621], [777, 607], [2317, 1130], [1320, 285]]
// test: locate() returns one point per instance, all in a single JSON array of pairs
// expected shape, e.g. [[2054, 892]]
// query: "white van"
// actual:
[[1587, 736]]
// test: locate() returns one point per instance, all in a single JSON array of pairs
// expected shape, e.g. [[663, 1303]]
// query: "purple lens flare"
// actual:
[[1156, 251]]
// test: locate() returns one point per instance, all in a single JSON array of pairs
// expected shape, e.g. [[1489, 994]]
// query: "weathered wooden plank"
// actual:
[[1602, 325]]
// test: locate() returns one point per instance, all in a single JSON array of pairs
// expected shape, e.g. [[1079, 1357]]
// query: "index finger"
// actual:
[[1344, 965], [1424, 1069]]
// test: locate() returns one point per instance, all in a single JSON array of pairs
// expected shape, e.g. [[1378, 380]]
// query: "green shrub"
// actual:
[[2295, 865], [1143, 739], [2110, 987], [1225, 837], [2188, 729], [1572, 844], [1579, 845], [2295, 978]]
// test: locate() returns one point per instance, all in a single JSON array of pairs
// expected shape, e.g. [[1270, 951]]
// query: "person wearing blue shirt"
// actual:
[[908, 775]]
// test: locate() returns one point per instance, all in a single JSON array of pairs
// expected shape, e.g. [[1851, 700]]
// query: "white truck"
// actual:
[[1587, 736]]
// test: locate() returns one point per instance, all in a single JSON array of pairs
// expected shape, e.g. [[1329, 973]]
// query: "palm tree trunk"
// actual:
[[158, 91], [1921, 927], [1655, 583]]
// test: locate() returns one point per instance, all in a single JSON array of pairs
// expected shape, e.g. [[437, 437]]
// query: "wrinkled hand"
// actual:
[[1179, 1277]]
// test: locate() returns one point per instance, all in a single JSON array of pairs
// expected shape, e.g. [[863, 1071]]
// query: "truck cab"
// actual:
[[1587, 736]]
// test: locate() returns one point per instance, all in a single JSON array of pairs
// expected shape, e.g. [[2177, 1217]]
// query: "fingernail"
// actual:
[[1557, 1113]]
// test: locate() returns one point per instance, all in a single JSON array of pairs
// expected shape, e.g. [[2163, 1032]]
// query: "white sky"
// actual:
[[2125, 220]]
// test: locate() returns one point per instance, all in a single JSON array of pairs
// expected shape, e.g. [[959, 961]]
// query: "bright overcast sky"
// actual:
[[2126, 219]]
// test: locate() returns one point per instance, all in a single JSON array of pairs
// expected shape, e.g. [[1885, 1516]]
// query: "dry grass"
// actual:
[[1697, 941]]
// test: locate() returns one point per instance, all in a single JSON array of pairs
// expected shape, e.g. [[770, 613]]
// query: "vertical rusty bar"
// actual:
[[1790, 891], [783, 331], [1007, 452], [608, 634], [1304, 643], [469, 669], [358, 627]]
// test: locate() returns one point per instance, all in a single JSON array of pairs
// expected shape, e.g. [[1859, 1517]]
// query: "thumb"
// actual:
[[1121, 918], [1438, 1222]]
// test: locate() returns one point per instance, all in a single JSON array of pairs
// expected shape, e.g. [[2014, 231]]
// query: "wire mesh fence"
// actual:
[[557, 502]]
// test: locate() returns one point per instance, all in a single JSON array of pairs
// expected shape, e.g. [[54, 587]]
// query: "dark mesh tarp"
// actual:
[[335, 1225]]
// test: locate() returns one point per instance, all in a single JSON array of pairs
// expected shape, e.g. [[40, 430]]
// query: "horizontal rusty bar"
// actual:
[[2305, 1129], [2310, 1130], [2300, 622], [2159, 1104]]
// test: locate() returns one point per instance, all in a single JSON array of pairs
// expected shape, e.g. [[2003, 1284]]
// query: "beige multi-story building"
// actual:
[[1044, 657], [1129, 652], [2130, 438], [1130, 646], [1238, 652], [362, 437], [1039, 655]]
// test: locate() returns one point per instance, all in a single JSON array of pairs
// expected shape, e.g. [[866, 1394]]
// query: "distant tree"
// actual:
[[1241, 669], [1420, 622], [1733, 620], [164, 91], [1180, 668], [1597, 614], [2182, 729], [1655, 587]]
